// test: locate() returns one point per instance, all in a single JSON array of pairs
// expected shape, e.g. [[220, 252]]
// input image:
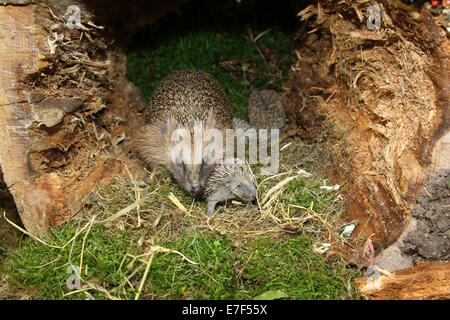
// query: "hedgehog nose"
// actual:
[[253, 197], [196, 191]]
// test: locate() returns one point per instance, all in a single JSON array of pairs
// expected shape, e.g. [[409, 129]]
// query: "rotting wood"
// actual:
[[52, 154], [18, 56], [426, 281], [390, 114]]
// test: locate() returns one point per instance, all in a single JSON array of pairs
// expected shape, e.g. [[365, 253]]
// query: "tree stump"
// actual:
[[68, 112], [383, 93]]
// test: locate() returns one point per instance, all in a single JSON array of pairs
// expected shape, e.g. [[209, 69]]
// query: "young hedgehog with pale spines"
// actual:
[[185, 99], [266, 110], [241, 124], [230, 180]]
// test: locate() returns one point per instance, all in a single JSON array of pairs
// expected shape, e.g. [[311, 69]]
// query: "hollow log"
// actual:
[[68, 112]]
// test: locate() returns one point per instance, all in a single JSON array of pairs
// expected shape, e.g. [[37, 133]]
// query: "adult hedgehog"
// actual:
[[185, 99]]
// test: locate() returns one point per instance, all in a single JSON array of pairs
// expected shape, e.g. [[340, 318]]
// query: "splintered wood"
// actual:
[[18, 57], [53, 88], [426, 281], [390, 111]]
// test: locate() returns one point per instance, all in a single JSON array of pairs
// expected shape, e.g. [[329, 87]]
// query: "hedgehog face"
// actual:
[[243, 187], [192, 177], [188, 177]]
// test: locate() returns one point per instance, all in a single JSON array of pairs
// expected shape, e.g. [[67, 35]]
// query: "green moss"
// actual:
[[35, 264], [292, 267], [223, 271], [288, 265], [173, 278]]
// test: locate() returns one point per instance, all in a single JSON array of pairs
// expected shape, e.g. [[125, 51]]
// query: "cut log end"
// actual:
[[426, 281]]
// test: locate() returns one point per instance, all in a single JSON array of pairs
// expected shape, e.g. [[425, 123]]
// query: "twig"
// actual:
[[42, 241], [84, 241], [261, 34], [137, 194], [156, 249], [177, 202], [276, 188], [100, 64], [44, 265], [102, 290], [144, 277], [125, 210]]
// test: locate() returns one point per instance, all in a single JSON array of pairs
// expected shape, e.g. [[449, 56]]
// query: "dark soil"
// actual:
[[9, 236], [431, 238]]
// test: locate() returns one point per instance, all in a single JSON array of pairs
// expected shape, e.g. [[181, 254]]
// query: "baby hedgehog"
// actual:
[[229, 180], [265, 110], [241, 124]]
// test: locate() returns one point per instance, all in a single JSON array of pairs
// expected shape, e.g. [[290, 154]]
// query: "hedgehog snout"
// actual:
[[197, 191]]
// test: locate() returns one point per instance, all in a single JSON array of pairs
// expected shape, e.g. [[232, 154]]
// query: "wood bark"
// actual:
[[68, 113], [426, 281], [383, 97]]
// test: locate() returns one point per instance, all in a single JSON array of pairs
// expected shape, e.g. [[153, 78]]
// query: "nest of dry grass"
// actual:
[[162, 208]]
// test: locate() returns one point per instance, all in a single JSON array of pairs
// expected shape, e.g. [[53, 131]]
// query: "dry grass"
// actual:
[[162, 208]]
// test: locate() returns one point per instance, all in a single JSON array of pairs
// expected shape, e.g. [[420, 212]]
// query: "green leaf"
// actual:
[[271, 295]]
